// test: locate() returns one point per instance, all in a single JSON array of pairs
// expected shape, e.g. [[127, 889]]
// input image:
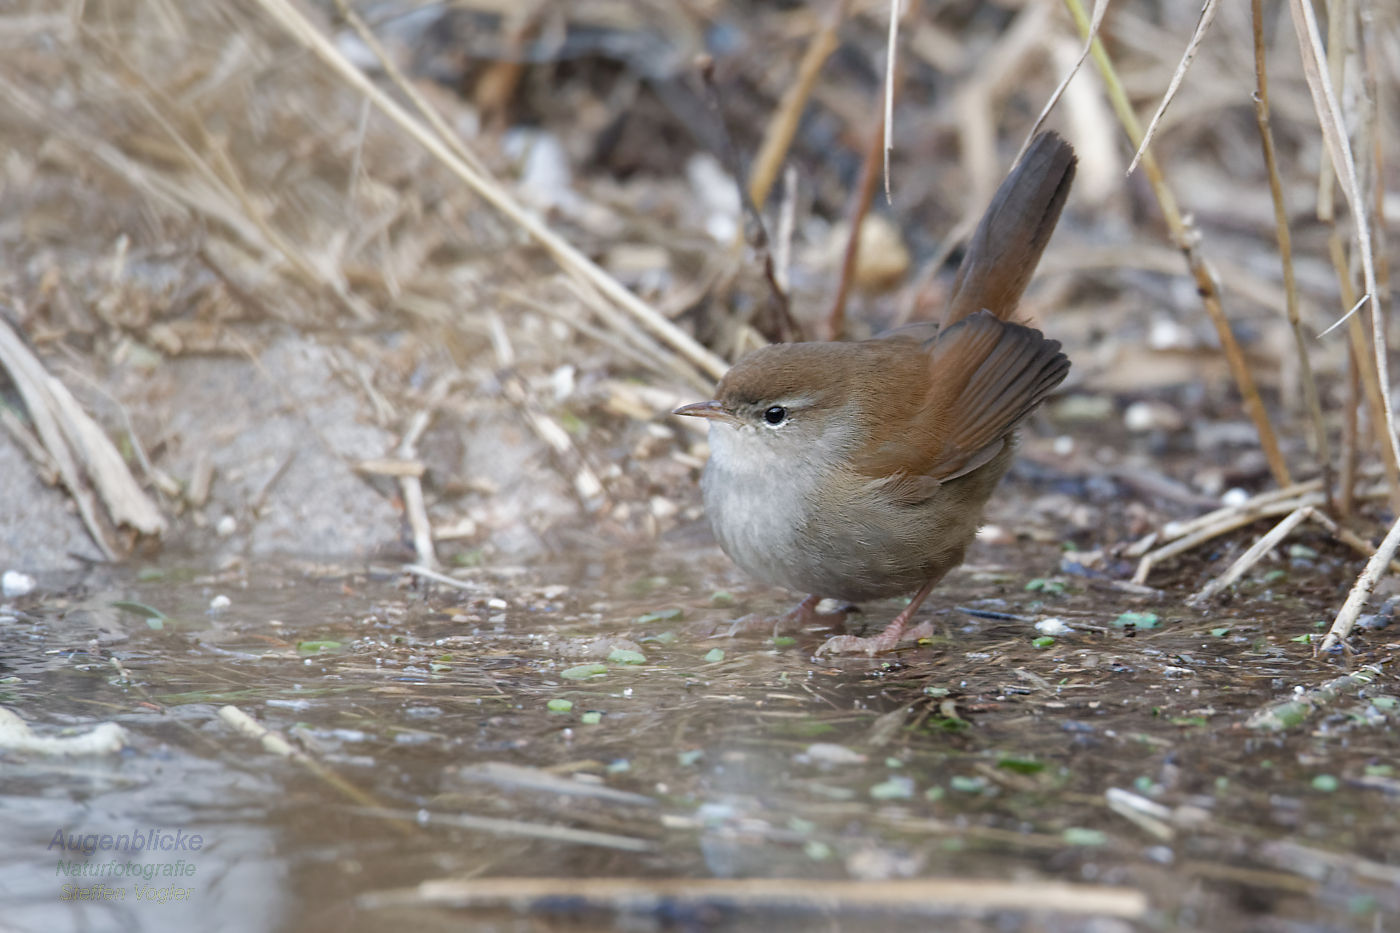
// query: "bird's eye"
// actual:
[[775, 415]]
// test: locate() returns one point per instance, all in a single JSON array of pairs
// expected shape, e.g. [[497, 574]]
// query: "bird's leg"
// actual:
[[803, 614], [874, 644]]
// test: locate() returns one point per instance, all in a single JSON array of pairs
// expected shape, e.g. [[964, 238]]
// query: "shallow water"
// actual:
[[443, 734]]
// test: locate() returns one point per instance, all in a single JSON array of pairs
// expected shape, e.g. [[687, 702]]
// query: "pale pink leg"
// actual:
[[803, 614], [874, 644]]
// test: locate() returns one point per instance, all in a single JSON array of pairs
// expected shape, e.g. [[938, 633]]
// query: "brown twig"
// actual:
[[777, 138], [784, 327], [1370, 380], [860, 206], [1285, 248]]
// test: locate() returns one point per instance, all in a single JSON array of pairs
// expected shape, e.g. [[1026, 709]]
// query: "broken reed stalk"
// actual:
[[1365, 365], [860, 206], [1266, 543], [1285, 248], [1361, 590], [1295, 710], [1185, 239], [493, 192], [777, 138]]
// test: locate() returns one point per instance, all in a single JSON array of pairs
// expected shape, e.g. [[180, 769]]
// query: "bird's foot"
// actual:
[[874, 644], [893, 634], [800, 616]]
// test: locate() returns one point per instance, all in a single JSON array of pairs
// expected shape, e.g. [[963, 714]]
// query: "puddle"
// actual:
[[491, 756]]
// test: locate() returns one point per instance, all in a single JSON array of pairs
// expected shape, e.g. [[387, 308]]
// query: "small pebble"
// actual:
[[1235, 496], [226, 526], [219, 602], [1052, 627], [14, 584]]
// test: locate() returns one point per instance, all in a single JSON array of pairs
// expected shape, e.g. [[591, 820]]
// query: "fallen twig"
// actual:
[[917, 897], [1294, 710]]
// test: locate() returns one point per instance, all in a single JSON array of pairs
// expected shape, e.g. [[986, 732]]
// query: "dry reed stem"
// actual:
[[1266, 542], [1333, 124], [782, 128], [1285, 248], [1296, 709], [412, 487], [914, 896], [493, 192], [860, 206], [1202, 25], [1361, 590], [1348, 537], [1225, 524], [400, 80], [1366, 367], [85, 459], [1095, 22], [275, 743], [1186, 240], [897, 8]]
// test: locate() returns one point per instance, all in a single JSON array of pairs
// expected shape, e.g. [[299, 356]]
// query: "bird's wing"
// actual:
[[984, 376]]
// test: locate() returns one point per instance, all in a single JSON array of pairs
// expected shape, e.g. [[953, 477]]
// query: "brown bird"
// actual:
[[859, 471]]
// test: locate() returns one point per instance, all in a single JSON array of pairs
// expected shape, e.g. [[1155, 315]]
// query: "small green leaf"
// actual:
[[1304, 639], [559, 706], [722, 598], [141, 609], [1385, 702], [784, 641], [1142, 620], [1022, 765], [591, 718], [1044, 641], [661, 615], [967, 785], [689, 757], [714, 655], [1189, 721], [317, 647], [1082, 836], [626, 656], [1220, 632], [1326, 783], [584, 671], [899, 787]]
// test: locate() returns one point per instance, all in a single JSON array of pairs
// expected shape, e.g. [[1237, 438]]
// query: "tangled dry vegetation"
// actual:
[[418, 279]]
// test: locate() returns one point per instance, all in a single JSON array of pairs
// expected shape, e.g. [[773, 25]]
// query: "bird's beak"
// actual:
[[712, 410]]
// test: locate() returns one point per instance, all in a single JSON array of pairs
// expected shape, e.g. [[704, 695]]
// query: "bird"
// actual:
[[859, 470]]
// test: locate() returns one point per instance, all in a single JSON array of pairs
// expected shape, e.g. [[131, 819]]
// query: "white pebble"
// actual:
[[497, 603], [1234, 497], [1064, 445], [1052, 627], [14, 583], [220, 602], [226, 526]]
